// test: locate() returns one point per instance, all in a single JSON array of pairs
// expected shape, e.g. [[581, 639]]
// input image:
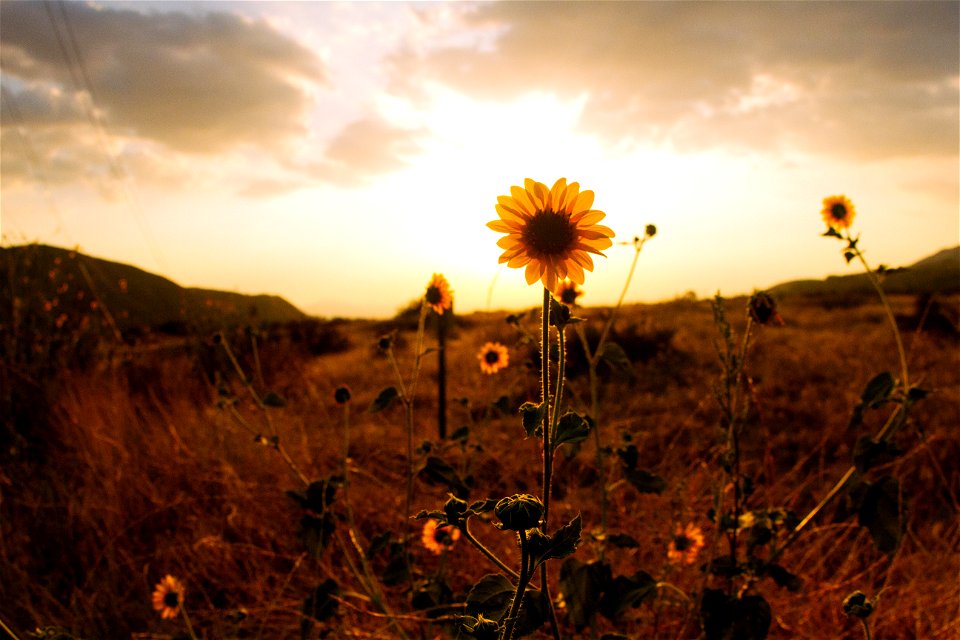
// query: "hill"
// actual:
[[939, 273], [64, 286]]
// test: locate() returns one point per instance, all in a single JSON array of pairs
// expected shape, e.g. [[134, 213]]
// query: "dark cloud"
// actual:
[[195, 83], [856, 79]]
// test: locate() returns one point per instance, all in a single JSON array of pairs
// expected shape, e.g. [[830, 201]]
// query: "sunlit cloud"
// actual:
[[842, 78]]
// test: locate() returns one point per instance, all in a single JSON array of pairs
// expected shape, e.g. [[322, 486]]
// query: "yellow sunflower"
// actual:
[[168, 597], [838, 212], [551, 231], [685, 545], [568, 292], [493, 356], [436, 539], [439, 296]]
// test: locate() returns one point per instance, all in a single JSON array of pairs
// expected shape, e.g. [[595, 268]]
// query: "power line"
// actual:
[[82, 84]]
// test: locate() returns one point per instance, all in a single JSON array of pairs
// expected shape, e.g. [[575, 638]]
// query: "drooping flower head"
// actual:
[[685, 545], [439, 296], [838, 212], [168, 597], [436, 538], [568, 292], [550, 231], [493, 356]]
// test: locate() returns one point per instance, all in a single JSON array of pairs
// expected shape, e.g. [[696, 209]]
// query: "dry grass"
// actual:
[[138, 474]]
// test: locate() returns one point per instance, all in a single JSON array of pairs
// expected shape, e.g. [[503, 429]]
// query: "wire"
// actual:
[[81, 80]]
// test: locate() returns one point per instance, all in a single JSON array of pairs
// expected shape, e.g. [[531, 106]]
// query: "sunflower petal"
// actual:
[[533, 272], [588, 217], [583, 203]]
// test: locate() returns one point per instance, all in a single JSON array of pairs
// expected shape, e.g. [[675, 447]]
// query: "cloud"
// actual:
[[854, 79], [200, 84], [366, 148]]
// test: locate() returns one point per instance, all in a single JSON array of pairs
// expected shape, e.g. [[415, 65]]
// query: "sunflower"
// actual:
[[568, 292], [437, 539], [550, 231], [493, 356], [439, 296], [685, 545], [838, 212], [168, 597]]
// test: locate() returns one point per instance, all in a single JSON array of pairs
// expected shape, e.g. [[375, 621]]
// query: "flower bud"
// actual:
[[519, 512]]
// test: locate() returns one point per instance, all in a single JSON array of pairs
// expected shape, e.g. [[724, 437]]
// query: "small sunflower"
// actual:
[[685, 545], [439, 296], [168, 597], [551, 231], [838, 212], [493, 356], [568, 292], [437, 539]]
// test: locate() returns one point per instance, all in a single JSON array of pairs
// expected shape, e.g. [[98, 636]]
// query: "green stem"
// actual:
[[875, 281], [545, 395], [511, 621], [866, 627], [486, 552], [442, 375], [186, 621]]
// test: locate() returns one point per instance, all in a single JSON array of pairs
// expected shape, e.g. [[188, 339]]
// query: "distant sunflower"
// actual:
[[568, 292], [551, 231], [168, 597], [838, 212], [436, 539], [685, 545], [493, 356], [439, 296]]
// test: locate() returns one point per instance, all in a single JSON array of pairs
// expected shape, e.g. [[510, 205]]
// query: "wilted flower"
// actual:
[[168, 597], [436, 538], [568, 292], [493, 356], [439, 297], [685, 545], [551, 231], [838, 212]]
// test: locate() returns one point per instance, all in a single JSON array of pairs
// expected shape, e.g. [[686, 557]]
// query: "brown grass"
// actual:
[[138, 474]]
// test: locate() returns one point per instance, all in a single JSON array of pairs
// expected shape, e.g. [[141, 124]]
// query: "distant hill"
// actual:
[[50, 285], [939, 273]]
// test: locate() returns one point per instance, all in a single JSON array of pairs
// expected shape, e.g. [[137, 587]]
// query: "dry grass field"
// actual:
[[155, 460]]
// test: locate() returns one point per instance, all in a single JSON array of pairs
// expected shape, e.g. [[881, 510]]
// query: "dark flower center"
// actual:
[[492, 357], [838, 211], [433, 295], [681, 543], [171, 599], [549, 233], [568, 296]]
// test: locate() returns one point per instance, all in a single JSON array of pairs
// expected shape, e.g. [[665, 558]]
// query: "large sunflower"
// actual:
[[838, 212], [551, 231]]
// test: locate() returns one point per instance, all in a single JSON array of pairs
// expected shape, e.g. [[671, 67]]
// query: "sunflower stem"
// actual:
[[186, 621], [545, 394], [511, 621], [442, 375]]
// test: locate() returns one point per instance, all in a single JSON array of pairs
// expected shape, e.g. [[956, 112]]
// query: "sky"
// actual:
[[340, 153]]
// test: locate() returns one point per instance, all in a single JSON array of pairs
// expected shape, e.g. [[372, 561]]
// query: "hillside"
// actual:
[[939, 273], [64, 286]]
